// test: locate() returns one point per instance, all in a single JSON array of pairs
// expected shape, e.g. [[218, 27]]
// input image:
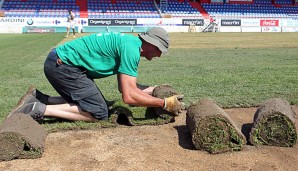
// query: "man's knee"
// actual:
[[102, 113], [99, 111]]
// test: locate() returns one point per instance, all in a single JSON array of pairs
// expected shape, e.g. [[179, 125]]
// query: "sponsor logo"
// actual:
[[12, 20], [230, 22], [57, 22], [99, 22], [187, 22], [112, 22], [43, 22], [126, 22], [82, 22], [269, 22], [30, 22], [271, 29]]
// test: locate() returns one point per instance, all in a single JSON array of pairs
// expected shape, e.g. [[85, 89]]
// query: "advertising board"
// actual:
[[230, 22], [271, 29], [269, 23], [112, 22]]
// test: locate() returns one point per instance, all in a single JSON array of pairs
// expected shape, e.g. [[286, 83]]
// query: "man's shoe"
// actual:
[[34, 95], [35, 110], [26, 98]]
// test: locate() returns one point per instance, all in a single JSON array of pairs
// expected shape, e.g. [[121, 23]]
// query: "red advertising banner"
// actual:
[[269, 23]]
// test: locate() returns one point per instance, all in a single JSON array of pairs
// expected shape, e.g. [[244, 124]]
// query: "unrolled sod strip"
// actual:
[[21, 137], [274, 124], [212, 129], [144, 116]]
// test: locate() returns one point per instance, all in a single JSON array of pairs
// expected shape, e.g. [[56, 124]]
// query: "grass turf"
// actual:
[[234, 69], [216, 134], [274, 130]]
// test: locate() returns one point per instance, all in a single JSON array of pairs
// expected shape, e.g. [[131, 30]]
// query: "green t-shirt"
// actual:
[[103, 54]]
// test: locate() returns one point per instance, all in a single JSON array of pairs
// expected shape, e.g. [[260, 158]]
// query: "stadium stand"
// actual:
[[259, 9], [122, 9], [39, 8], [149, 9], [284, 2], [179, 9]]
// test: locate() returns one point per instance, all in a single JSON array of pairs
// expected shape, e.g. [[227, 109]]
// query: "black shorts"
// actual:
[[74, 86]]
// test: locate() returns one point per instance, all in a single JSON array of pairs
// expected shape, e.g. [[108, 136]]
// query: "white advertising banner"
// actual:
[[49, 22], [289, 23], [11, 29], [250, 22], [271, 29], [230, 29], [251, 29], [159, 21], [8, 21], [176, 29], [289, 29], [12, 21]]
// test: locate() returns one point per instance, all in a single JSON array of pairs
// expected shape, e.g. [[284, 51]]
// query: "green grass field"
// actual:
[[234, 69]]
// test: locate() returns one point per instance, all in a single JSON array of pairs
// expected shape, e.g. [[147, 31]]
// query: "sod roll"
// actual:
[[163, 91], [274, 124], [21, 137], [212, 129]]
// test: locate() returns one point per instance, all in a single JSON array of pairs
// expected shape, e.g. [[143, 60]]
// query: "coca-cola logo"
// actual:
[[269, 22]]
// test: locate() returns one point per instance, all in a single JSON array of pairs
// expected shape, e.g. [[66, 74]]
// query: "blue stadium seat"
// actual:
[[24, 8], [124, 8], [260, 9]]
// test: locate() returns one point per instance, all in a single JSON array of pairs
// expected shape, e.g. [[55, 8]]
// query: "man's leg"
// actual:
[[68, 111], [76, 89], [67, 33], [74, 32]]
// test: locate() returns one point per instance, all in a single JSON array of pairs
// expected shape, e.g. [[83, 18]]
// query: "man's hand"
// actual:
[[173, 104]]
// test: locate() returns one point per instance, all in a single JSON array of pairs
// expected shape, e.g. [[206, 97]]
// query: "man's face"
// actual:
[[150, 51]]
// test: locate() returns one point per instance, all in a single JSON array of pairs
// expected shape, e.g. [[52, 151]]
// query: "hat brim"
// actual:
[[154, 42]]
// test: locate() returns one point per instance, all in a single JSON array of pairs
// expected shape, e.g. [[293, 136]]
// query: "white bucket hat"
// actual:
[[158, 37]]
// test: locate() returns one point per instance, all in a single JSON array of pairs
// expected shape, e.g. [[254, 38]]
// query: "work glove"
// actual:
[[173, 104]]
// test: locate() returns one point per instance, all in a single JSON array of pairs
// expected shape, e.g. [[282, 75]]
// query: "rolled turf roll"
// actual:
[[274, 124], [212, 129], [21, 137], [163, 91]]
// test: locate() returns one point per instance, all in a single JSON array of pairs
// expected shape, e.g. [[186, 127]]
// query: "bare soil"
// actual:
[[163, 147]]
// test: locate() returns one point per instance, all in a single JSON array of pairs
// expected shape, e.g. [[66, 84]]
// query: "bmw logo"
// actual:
[[30, 22]]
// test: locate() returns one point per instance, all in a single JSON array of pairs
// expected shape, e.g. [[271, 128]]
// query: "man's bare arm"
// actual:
[[133, 95]]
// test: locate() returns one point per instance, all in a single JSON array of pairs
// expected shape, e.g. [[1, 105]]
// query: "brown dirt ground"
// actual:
[[163, 147]]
